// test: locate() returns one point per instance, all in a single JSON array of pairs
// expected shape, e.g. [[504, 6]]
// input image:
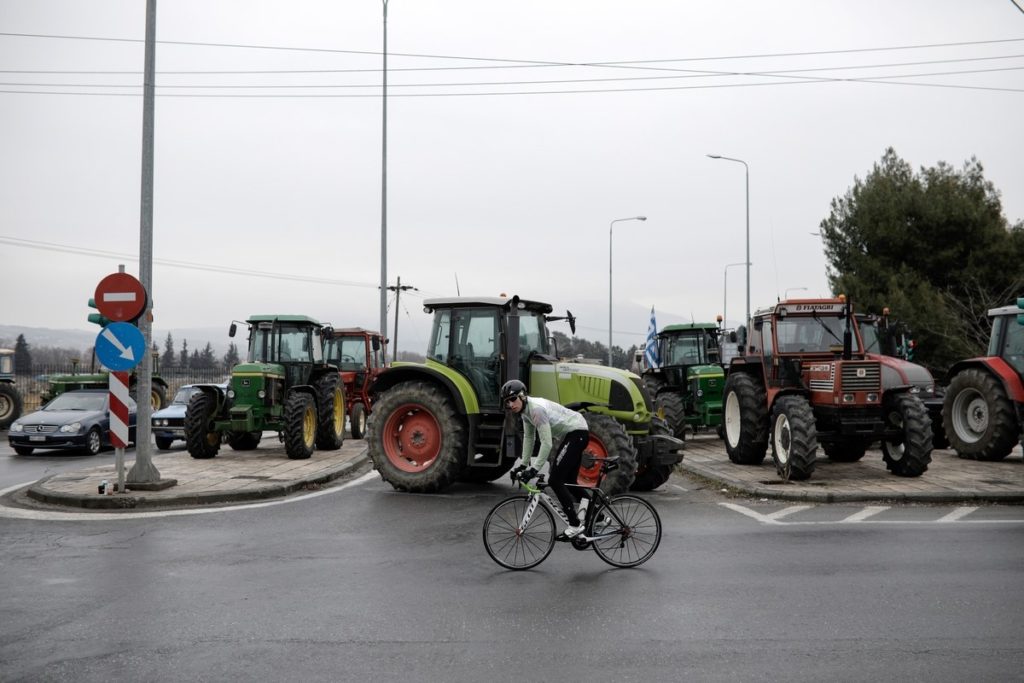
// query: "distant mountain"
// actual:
[[197, 338]]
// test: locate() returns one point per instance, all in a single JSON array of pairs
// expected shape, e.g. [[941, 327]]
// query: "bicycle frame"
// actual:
[[538, 496]]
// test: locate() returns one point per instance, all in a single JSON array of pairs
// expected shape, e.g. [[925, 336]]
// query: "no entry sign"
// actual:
[[120, 297]]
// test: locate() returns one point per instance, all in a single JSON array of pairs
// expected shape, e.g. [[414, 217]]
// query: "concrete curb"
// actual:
[[140, 500], [816, 493]]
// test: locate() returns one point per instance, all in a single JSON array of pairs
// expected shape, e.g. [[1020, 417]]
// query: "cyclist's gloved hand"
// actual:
[[517, 471], [528, 474]]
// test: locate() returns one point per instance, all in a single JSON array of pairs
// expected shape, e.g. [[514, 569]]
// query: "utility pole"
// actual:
[[398, 289]]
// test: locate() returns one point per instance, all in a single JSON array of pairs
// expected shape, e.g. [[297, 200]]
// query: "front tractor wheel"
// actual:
[[416, 440], [330, 429], [358, 420], [978, 417], [670, 405], [794, 438], [650, 476], [202, 442], [300, 421], [10, 404], [745, 419], [607, 437], [909, 455]]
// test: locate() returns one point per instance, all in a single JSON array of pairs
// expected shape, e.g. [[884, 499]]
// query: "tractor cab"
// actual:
[[1007, 340], [477, 339], [360, 356], [291, 341]]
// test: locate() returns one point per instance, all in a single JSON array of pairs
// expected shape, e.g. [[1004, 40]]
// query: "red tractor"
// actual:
[[360, 356], [804, 378], [983, 413]]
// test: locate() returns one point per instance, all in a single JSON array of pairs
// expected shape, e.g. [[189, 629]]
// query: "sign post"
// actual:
[[119, 419]]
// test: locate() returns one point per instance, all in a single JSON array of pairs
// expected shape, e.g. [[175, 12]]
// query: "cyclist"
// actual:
[[549, 421]]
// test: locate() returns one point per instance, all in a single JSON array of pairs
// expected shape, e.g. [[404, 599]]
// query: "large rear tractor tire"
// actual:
[[608, 438], [670, 405], [794, 438], [300, 421], [10, 404], [978, 417], [745, 419], [330, 428], [415, 438], [908, 456], [846, 451], [202, 443], [357, 420], [244, 441], [650, 476]]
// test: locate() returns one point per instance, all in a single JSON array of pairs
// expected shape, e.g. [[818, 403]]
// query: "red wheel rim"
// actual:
[[595, 452], [411, 438]]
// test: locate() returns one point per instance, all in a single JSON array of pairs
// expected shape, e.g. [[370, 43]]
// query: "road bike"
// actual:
[[624, 530]]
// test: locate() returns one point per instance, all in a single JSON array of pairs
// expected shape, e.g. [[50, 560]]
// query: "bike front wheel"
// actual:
[[512, 548], [631, 533]]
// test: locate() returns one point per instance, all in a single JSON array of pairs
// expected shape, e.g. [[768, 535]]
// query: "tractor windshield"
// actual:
[[697, 348], [811, 334], [284, 343], [1007, 341], [348, 353]]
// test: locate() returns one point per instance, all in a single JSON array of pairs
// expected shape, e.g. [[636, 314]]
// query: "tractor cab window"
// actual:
[[440, 338], [1008, 338], [473, 350], [714, 352], [279, 343], [808, 334], [348, 353], [532, 335], [6, 364], [684, 351]]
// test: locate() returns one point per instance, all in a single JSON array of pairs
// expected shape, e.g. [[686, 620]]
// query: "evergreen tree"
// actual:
[[183, 357], [169, 350], [231, 357], [932, 246], [207, 360], [22, 357]]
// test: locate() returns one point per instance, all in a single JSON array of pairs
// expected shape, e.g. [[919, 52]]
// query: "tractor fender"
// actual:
[[218, 395], [998, 368], [448, 380]]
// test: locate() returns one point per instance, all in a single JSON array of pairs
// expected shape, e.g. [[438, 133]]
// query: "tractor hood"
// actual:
[[271, 369], [898, 372]]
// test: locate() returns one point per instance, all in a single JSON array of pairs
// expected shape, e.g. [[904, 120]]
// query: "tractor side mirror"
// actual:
[[232, 330], [375, 343]]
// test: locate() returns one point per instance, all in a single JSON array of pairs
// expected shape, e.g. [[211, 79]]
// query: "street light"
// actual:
[[747, 174], [785, 294], [725, 291], [610, 226]]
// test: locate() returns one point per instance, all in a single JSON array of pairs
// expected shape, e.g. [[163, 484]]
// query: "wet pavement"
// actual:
[[265, 473]]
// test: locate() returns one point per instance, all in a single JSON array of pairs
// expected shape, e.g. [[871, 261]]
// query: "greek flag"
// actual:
[[651, 357]]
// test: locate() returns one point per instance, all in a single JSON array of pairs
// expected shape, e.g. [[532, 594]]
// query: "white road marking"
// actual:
[[958, 514], [19, 513], [863, 517], [869, 511], [681, 488]]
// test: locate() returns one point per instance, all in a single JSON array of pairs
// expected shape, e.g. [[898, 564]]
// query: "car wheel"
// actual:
[[93, 441], [163, 444], [23, 450]]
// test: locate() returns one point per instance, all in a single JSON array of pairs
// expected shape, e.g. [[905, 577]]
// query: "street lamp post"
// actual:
[[610, 226], [746, 170], [725, 292]]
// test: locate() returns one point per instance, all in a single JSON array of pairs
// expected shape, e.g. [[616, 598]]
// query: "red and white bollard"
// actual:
[[119, 433]]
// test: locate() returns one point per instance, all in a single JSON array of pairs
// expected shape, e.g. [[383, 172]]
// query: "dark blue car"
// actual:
[[75, 419]]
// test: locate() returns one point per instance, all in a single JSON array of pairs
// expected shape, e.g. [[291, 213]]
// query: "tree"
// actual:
[[183, 356], [932, 246], [22, 357], [169, 349], [231, 357], [207, 360]]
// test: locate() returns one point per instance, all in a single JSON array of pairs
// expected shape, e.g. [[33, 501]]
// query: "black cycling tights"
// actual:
[[565, 469]]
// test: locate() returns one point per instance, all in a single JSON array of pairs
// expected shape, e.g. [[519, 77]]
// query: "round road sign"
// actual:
[[120, 297]]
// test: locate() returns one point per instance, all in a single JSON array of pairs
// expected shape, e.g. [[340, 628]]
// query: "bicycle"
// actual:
[[624, 530]]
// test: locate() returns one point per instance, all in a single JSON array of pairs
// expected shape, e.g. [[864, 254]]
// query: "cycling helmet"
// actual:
[[512, 389]]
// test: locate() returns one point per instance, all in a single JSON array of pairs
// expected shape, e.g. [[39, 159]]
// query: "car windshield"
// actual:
[[73, 401], [184, 395]]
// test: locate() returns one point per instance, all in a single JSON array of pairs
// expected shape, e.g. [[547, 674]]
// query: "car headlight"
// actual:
[[17, 427], [72, 428]]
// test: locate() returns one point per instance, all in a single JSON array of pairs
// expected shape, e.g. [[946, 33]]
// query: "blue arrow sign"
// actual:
[[120, 346]]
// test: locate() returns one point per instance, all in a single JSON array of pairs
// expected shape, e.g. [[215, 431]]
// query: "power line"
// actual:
[[98, 253]]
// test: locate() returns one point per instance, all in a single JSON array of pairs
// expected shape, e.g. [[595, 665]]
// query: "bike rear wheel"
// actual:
[[635, 529], [511, 548]]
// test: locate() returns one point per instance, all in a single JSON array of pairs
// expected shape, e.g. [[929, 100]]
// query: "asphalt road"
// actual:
[[362, 583]]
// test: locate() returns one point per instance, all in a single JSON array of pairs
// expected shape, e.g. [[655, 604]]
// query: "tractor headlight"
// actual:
[[72, 428], [700, 393], [262, 393], [915, 390], [847, 398], [231, 393], [872, 398]]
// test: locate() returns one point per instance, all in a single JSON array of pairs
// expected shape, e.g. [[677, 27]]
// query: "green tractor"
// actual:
[[99, 378], [687, 386], [10, 398], [439, 422], [284, 386]]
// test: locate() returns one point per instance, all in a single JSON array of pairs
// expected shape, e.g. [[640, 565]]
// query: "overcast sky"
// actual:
[[517, 131]]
